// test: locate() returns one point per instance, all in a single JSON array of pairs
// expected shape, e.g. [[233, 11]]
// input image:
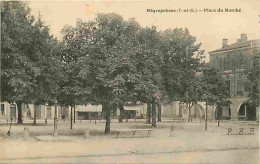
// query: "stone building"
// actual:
[[43, 112], [234, 61], [179, 110], [82, 112], [8, 111]]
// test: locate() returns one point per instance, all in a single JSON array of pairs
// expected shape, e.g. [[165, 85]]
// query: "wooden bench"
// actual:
[[241, 130], [134, 131]]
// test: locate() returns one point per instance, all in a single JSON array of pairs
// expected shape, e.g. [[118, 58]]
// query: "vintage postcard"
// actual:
[[130, 81]]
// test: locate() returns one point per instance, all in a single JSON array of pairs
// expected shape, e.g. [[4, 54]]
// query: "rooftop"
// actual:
[[238, 45]]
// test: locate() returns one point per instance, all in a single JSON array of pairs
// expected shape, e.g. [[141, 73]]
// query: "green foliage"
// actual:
[[98, 57], [181, 56], [148, 61], [46, 52], [252, 86], [212, 88], [105, 61], [17, 69], [30, 69], [74, 85]]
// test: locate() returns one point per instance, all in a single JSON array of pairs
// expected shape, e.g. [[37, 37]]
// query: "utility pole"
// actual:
[[55, 119], [234, 76], [34, 114]]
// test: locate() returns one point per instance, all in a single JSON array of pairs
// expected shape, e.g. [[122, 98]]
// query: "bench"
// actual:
[[241, 130], [134, 131]]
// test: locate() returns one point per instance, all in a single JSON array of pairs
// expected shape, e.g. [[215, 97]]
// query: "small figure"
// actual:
[[9, 131]]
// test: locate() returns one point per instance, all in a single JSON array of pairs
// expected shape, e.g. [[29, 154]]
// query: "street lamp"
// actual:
[[55, 118]]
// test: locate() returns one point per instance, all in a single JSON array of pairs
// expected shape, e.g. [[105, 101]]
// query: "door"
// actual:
[[48, 112], [38, 112], [13, 111], [2, 109]]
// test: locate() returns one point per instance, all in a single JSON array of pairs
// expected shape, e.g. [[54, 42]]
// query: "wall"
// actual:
[[237, 101], [233, 59]]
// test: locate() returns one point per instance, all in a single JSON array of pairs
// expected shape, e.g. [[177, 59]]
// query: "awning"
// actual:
[[134, 107], [89, 108]]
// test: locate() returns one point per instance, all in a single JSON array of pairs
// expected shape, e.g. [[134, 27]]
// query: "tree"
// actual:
[[17, 69], [159, 112], [106, 46], [76, 86], [222, 103], [148, 113], [46, 58], [124, 63], [181, 56], [119, 75], [148, 61], [26, 46], [191, 96], [252, 85], [212, 90]]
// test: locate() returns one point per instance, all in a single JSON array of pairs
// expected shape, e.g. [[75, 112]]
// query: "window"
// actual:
[[218, 61], [2, 109], [240, 87], [222, 63], [242, 110], [214, 59], [228, 86], [228, 62]]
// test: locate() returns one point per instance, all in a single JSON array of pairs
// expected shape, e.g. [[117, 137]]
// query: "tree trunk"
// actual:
[[189, 106], [34, 115], [159, 112], [153, 114], [148, 119], [95, 118], [121, 115], [180, 110], [74, 114], [89, 116], [218, 116], [71, 115], [108, 117], [20, 116], [206, 117]]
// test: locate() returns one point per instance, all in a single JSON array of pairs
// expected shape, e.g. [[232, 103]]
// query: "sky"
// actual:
[[209, 28]]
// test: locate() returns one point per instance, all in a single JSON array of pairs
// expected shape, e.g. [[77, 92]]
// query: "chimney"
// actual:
[[243, 37], [224, 43]]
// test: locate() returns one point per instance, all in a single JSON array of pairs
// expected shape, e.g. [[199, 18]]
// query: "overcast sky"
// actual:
[[208, 27]]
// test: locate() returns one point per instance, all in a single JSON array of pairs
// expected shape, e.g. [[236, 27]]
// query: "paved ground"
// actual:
[[213, 157], [188, 143]]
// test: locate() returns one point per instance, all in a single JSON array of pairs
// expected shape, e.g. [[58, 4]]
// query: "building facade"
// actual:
[[234, 61], [179, 110], [82, 112], [43, 112]]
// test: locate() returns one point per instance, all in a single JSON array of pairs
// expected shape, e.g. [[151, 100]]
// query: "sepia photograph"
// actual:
[[129, 81]]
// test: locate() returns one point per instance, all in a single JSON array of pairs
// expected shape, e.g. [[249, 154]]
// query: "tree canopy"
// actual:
[[108, 61], [30, 68], [252, 86]]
